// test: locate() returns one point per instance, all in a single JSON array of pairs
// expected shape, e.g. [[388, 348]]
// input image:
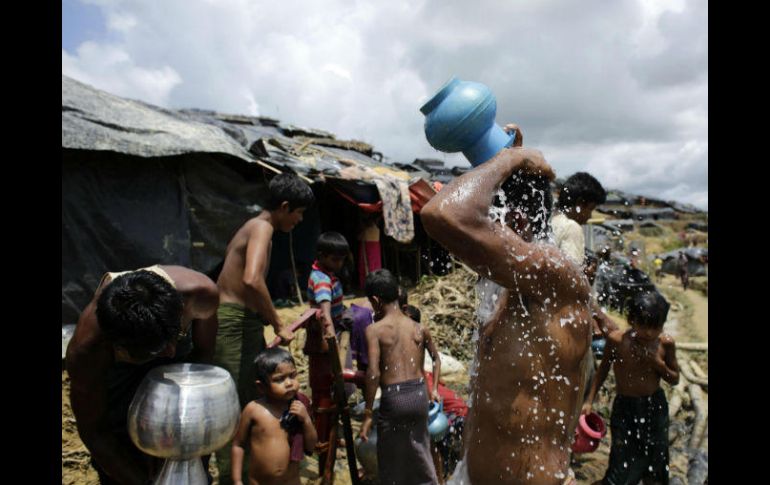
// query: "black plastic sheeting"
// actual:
[[111, 221], [695, 265], [617, 282], [121, 212]]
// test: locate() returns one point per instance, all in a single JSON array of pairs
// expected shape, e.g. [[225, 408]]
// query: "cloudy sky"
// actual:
[[618, 88]]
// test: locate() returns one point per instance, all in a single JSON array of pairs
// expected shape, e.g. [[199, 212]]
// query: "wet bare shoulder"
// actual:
[[373, 330], [420, 333], [257, 225], [621, 343], [189, 281], [251, 229], [260, 413], [667, 340], [252, 411]]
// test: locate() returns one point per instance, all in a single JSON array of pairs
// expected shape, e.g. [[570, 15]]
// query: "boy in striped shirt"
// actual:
[[324, 291]]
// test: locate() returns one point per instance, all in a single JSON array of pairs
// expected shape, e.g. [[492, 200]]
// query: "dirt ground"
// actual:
[[700, 306], [688, 322]]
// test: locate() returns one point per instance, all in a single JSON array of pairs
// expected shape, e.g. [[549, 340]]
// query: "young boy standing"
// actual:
[[324, 291], [276, 428], [245, 305], [640, 357], [396, 353]]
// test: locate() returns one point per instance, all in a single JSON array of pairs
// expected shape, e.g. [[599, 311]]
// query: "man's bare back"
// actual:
[[396, 345], [402, 348]]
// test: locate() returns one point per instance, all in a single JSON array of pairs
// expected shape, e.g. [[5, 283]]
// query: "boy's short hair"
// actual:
[[287, 187], [580, 188], [268, 360], [382, 284], [648, 309], [140, 312], [332, 243], [403, 296], [532, 195], [412, 312]]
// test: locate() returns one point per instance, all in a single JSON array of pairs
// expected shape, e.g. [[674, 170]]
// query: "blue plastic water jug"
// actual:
[[438, 424], [598, 347], [460, 117]]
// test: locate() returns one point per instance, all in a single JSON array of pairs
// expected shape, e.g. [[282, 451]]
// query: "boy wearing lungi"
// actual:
[[397, 347]]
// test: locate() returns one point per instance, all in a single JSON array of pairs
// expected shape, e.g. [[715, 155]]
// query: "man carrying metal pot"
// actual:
[[136, 321]]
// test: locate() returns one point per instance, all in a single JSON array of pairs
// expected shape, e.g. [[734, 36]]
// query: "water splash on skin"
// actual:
[[488, 295], [498, 213], [462, 194]]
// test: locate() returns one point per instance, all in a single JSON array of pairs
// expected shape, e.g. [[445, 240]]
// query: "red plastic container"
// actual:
[[357, 377], [589, 432]]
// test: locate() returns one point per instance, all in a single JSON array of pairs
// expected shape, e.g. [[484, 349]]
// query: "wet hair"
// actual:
[[532, 195], [287, 187], [648, 309], [382, 284], [268, 360], [332, 243], [581, 188], [140, 312], [403, 296], [412, 312]]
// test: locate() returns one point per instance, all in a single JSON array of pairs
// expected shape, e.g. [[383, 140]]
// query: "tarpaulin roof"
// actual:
[[96, 120], [143, 185]]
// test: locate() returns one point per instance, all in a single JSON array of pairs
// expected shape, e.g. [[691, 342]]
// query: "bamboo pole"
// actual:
[[700, 346], [294, 268], [700, 404], [686, 371]]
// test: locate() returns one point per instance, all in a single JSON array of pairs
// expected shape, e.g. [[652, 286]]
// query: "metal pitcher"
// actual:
[[181, 412]]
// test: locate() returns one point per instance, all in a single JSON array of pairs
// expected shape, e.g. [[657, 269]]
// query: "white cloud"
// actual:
[[338, 71], [617, 88], [671, 171], [111, 68], [121, 22]]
